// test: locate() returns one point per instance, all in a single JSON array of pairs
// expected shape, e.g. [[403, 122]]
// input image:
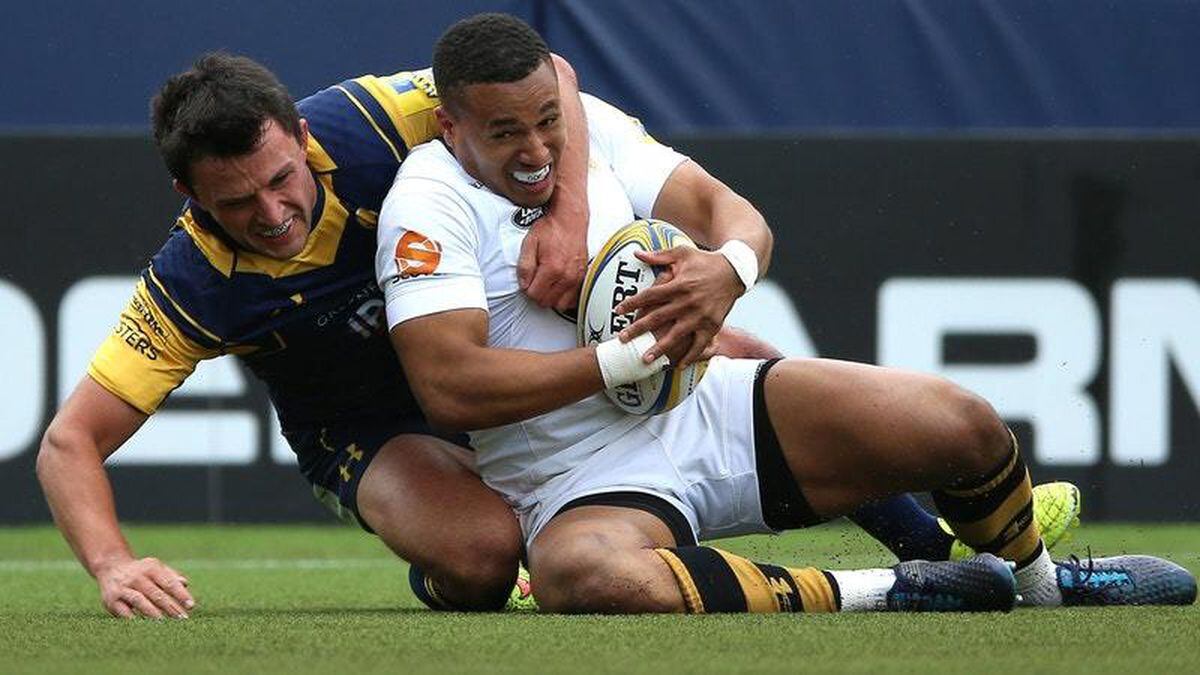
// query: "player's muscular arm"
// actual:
[[554, 254], [689, 304], [90, 426], [463, 384]]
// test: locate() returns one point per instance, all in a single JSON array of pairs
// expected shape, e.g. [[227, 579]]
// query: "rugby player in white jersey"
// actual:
[[612, 506]]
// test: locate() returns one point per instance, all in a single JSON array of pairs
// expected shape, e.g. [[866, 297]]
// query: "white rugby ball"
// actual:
[[613, 275]]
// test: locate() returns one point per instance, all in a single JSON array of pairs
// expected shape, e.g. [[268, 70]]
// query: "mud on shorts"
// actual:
[[334, 458]]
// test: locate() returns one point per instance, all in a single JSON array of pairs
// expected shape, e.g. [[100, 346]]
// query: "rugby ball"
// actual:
[[614, 274]]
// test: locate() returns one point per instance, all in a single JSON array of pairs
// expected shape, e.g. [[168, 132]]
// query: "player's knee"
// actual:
[[580, 577], [557, 573], [974, 433], [480, 575]]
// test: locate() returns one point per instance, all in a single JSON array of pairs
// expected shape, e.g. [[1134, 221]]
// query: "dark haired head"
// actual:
[[219, 108], [485, 48]]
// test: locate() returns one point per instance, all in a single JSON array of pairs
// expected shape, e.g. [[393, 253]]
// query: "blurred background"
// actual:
[[1004, 193]]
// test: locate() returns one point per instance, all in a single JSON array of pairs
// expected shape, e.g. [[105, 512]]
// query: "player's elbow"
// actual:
[[58, 444]]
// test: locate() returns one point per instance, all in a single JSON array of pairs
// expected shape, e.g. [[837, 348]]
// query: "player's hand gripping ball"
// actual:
[[613, 275]]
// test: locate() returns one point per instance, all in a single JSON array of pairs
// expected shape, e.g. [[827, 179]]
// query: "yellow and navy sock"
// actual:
[[995, 513], [713, 580]]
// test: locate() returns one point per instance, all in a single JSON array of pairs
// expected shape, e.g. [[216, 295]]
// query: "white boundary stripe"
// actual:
[[184, 565]]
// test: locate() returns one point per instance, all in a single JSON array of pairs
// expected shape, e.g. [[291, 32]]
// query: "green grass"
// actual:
[[326, 599]]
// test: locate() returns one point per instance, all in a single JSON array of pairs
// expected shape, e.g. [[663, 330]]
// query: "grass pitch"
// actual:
[[331, 599]]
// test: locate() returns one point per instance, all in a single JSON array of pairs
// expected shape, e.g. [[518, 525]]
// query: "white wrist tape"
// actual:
[[621, 362], [743, 259]]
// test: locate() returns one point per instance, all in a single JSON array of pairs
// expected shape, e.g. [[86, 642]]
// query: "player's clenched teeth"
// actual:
[[531, 177], [279, 230]]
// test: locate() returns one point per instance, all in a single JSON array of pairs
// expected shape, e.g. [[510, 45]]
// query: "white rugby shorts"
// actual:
[[699, 457]]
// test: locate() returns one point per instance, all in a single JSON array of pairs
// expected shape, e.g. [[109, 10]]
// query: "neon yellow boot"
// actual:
[[1056, 509]]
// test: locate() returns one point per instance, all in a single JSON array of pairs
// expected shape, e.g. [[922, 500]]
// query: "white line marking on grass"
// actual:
[[253, 564]]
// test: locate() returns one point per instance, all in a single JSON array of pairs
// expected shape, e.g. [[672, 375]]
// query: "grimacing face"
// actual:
[[263, 200], [510, 135]]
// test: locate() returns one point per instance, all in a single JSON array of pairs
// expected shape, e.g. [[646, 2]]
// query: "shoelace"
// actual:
[[1081, 580]]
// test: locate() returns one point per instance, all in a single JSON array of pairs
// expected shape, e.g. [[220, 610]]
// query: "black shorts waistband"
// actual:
[[656, 506]]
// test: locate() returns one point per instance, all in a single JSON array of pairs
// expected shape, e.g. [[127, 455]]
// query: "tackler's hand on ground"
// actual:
[[144, 587], [687, 304]]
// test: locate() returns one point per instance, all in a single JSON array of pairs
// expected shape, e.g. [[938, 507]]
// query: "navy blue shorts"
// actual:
[[334, 458]]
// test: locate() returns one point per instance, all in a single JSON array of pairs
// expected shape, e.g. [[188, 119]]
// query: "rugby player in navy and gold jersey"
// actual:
[[271, 261]]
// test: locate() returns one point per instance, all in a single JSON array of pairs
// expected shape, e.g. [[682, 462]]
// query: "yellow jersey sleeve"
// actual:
[[145, 357], [409, 99]]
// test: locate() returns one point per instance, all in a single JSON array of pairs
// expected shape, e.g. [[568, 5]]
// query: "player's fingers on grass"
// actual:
[[152, 590], [168, 605], [175, 584], [141, 604], [117, 607], [163, 597]]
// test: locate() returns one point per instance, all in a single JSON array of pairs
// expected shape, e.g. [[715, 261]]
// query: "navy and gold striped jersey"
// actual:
[[312, 326]]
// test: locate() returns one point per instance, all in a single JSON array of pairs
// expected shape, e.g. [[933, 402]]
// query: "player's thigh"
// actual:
[[597, 531], [852, 431], [421, 496]]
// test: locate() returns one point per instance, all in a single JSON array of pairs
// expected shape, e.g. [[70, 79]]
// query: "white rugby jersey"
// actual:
[[448, 242]]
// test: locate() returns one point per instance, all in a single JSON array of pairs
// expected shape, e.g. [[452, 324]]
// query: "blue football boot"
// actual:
[[983, 583], [1124, 580]]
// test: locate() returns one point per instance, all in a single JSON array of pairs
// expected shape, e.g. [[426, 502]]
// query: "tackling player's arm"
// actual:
[[689, 304], [138, 365], [463, 384], [89, 427], [554, 254]]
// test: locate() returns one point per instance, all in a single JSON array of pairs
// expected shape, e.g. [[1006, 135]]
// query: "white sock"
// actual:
[[1037, 582], [864, 590]]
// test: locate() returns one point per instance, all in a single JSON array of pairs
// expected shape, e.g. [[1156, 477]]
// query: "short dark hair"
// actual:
[[218, 109], [485, 48]]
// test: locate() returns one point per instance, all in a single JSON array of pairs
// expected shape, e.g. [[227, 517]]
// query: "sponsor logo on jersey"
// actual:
[[424, 81], [132, 334], [524, 217], [417, 255], [148, 317]]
